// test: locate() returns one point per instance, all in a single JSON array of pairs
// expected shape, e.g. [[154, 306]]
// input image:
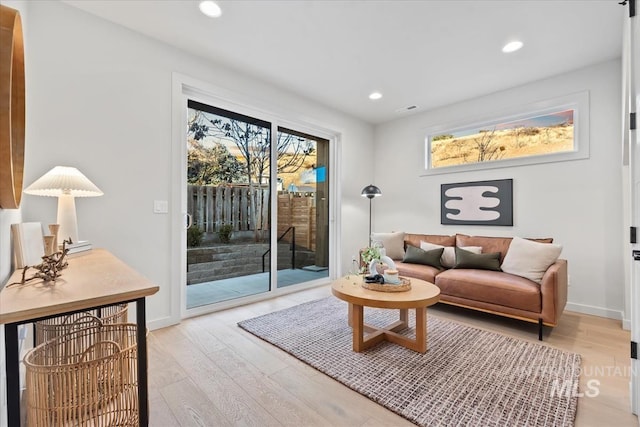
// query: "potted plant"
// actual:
[[367, 255]]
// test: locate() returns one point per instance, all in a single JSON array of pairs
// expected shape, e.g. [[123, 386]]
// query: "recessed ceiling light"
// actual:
[[512, 46], [375, 95], [210, 8]]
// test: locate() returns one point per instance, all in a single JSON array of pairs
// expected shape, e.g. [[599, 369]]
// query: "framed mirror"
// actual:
[[12, 108]]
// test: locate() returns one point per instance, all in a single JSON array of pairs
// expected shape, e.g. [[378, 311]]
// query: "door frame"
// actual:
[[184, 87], [631, 139]]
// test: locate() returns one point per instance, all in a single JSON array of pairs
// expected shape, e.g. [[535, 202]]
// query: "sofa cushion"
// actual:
[[491, 244], [419, 271], [415, 239], [467, 259], [491, 287], [530, 259], [415, 255], [488, 244], [448, 258], [393, 243]]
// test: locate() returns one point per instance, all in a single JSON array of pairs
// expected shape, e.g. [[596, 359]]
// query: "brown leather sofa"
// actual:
[[493, 291]]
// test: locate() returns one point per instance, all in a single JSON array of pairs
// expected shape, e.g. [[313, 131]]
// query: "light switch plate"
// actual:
[[160, 206]]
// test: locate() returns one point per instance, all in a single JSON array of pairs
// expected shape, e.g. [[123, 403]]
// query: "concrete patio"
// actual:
[[226, 289]]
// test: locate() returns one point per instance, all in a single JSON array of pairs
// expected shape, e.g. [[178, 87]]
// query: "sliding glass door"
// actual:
[[228, 201], [303, 207], [231, 199]]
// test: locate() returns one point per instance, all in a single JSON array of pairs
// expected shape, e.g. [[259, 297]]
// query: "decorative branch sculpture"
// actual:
[[50, 268]]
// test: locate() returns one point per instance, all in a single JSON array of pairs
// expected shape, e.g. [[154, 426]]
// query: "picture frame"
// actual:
[[12, 109], [477, 203]]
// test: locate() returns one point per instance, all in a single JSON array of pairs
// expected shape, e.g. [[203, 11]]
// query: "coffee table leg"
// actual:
[[404, 316], [350, 315], [356, 321], [421, 329]]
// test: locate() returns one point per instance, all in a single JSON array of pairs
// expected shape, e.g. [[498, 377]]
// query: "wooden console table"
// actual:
[[93, 280]]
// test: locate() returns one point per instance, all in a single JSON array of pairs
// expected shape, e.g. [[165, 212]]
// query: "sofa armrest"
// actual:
[[554, 288]]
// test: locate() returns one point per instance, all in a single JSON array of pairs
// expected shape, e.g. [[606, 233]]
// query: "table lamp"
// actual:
[[66, 183], [370, 191]]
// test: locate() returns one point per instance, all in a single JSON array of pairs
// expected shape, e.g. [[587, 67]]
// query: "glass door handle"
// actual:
[[189, 219]]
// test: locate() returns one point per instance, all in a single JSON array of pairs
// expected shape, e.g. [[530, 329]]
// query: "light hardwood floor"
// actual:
[[209, 372]]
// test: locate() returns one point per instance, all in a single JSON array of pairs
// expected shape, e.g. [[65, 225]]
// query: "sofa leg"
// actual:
[[540, 327]]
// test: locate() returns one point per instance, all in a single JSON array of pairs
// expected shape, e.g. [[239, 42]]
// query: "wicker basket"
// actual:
[[87, 377], [46, 330]]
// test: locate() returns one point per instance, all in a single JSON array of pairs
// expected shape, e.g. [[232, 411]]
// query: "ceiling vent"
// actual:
[[405, 109]]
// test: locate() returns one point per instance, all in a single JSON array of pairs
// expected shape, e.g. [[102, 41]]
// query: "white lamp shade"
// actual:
[[66, 183], [63, 180]]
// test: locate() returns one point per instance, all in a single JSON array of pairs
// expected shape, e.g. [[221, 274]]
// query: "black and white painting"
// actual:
[[477, 203]]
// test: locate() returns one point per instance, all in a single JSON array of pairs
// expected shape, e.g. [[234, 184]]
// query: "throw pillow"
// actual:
[[393, 243], [418, 256], [448, 258], [530, 259], [466, 259]]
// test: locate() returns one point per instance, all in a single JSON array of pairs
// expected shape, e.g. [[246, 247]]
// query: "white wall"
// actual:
[[101, 101], [578, 203]]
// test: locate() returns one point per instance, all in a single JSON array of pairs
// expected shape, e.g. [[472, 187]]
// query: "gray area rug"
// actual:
[[467, 377]]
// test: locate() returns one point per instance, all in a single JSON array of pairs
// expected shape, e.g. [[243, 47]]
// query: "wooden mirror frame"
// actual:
[[12, 108]]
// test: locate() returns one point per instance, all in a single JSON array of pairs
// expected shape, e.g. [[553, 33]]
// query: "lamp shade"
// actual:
[[63, 180], [65, 183], [371, 191]]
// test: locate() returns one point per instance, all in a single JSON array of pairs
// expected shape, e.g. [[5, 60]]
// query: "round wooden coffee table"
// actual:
[[421, 295]]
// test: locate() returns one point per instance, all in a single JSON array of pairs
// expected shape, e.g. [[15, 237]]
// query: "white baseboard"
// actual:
[[595, 311], [626, 324], [161, 323]]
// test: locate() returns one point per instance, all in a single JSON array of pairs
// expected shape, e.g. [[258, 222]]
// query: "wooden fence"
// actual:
[[297, 211], [211, 207]]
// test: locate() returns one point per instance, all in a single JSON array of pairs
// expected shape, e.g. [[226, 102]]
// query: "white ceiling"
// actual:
[[424, 53]]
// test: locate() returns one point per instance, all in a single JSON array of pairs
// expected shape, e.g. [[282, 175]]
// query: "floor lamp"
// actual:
[[370, 191]]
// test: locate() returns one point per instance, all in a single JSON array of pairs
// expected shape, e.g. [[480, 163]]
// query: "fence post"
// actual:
[[219, 202], [244, 209], [209, 209], [199, 207]]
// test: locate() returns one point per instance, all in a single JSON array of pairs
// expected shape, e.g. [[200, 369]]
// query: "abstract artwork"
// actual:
[[477, 203]]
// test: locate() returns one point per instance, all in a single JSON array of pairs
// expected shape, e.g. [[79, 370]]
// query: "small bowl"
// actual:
[[391, 276]]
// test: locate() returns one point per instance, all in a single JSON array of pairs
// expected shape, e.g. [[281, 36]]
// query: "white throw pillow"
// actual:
[[393, 243], [448, 258], [530, 259]]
